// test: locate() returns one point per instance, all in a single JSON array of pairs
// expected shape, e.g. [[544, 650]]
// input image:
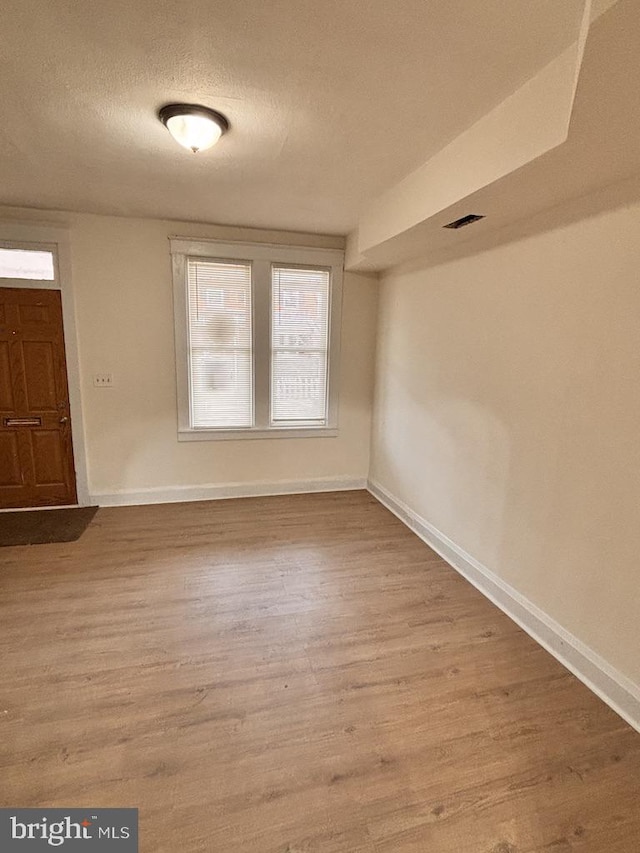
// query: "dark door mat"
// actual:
[[38, 527]]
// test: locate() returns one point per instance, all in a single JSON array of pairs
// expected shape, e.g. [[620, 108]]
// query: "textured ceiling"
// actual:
[[330, 101]]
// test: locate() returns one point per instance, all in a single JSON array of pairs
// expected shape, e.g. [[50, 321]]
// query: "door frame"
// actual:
[[56, 239]]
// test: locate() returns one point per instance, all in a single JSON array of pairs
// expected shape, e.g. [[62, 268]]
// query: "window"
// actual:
[[29, 264], [220, 351], [299, 345], [257, 339]]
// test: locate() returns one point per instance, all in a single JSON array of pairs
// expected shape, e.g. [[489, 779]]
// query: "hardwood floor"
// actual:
[[296, 674]]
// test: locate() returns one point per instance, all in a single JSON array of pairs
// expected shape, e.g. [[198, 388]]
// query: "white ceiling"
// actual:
[[330, 101]]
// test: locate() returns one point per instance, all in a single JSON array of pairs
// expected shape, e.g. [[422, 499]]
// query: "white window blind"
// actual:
[[299, 344], [220, 343]]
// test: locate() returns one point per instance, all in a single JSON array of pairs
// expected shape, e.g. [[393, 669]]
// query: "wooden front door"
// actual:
[[36, 455]]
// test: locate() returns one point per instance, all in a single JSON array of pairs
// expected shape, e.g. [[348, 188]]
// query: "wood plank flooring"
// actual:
[[296, 674]]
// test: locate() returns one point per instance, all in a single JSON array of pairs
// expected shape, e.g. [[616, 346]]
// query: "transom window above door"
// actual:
[[257, 339], [22, 264]]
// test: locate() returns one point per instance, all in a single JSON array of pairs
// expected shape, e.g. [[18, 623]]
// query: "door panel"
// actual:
[[48, 457], [6, 391], [36, 453], [40, 375], [10, 474], [34, 314]]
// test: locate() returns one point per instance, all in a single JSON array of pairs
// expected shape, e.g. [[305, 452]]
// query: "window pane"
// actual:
[[221, 359], [299, 386], [299, 344], [27, 263]]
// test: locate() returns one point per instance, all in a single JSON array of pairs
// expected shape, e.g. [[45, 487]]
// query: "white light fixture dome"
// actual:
[[192, 126]]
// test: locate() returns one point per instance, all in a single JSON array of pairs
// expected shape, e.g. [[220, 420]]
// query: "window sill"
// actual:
[[241, 434]]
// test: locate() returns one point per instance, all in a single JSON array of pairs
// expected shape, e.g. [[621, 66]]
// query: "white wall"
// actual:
[[506, 411], [507, 414], [124, 311]]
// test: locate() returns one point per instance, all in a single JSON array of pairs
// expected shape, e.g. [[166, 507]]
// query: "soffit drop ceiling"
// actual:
[[331, 102], [585, 112]]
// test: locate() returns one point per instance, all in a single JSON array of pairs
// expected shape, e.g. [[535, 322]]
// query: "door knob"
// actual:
[[64, 420]]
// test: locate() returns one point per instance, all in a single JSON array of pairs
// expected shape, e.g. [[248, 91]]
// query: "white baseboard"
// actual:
[[211, 492], [619, 692]]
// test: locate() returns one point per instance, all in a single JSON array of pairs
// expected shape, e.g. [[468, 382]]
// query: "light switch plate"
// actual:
[[103, 380]]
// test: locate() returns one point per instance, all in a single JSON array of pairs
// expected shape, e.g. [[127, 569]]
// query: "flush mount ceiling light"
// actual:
[[192, 126]]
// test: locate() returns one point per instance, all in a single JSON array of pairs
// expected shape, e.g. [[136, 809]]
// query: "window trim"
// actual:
[[262, 257]]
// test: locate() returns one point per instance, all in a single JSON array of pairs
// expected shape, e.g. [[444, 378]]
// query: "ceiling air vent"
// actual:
[[464, 220]]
